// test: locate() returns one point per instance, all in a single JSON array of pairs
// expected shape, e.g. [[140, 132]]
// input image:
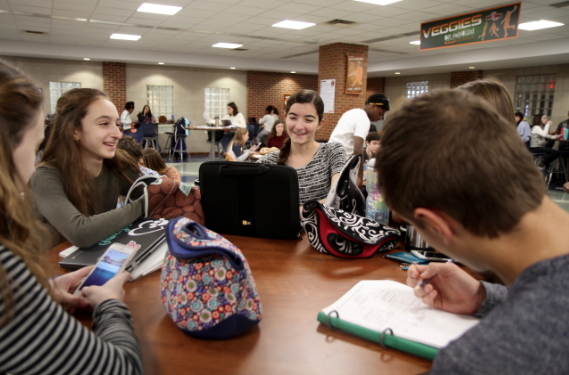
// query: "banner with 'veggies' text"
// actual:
[[478, 27]]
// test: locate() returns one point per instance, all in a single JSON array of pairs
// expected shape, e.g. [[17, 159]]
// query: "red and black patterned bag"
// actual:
[[345, 235]]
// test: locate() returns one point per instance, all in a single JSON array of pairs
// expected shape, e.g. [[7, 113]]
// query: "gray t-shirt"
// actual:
[[524, 329], [315, 178], [84, 231]]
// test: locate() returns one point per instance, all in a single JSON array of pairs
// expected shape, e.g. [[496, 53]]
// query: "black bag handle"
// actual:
[[230, 170]]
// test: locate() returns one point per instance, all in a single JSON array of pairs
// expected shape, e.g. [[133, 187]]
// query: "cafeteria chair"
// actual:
[[178, 139], [557, 167], [150, 139]]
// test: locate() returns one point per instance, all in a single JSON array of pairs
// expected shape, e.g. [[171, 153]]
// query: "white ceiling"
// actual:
[[81, 28]]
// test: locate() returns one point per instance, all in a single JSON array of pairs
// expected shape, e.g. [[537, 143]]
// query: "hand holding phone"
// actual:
[[63, 286], [112, 263], [113, 289]]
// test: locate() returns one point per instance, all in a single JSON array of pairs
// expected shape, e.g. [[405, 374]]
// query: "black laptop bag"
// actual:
[[249, 199]]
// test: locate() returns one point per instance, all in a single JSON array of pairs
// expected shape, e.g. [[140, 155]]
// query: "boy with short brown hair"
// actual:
[[459, 173]]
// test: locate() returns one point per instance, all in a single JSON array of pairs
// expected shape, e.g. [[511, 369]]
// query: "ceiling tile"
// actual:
[[33, 3], [117, 4], [30, 9]]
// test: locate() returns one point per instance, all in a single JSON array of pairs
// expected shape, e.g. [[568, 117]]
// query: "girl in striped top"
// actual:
[[37, 335]]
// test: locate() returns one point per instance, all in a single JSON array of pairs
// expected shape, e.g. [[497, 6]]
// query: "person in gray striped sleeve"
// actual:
[[37, 335]]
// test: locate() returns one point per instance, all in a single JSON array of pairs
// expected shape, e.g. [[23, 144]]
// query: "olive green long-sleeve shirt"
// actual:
[[84, 231]]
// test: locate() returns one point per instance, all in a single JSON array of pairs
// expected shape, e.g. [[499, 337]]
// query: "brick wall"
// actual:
[[375, 85], [460, 78], [267, 88], [114, 83], [332, 64]]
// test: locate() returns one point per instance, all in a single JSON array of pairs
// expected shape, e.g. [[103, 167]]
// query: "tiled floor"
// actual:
[[190, 172]]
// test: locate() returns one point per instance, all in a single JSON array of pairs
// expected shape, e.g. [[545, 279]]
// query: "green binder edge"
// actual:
[[415, 348]]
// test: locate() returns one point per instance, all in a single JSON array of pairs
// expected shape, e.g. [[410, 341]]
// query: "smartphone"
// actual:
[[433, 256], [113, 261]]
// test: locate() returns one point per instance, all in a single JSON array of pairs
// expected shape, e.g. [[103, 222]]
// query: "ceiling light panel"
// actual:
[[158, 9], [227, 45], [125, 36], [379, 2], [538, 25], [296, 25]]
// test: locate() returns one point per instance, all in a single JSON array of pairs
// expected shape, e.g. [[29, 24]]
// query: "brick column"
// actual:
[[114, 83], [267, 88], [333, 62], [460, 78]]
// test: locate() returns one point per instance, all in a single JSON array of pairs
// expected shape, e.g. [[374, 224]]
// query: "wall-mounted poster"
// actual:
[[328, 94], [477, 27], [285, 99], [355, 73]]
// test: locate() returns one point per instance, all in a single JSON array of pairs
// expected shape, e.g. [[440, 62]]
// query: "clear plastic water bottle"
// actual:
[[376, 209], [172, 115]]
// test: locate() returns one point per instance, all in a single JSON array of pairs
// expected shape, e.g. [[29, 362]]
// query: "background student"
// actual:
[[126, 121], [134, 150], [372, 145], [523, 128], [236, 119], [278, 135], [267, 123], [146, 115], [539, 134], [154, 161], [236, 150], [495, 93], [489, 213], [36, 335], [353, 127], [318, 165], [81, 176]]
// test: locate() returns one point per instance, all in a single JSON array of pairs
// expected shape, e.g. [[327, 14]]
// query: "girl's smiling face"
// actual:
[[99, 131], [302, 122]]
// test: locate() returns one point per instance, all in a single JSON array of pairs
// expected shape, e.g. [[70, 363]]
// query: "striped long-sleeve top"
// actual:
[[44, 339]]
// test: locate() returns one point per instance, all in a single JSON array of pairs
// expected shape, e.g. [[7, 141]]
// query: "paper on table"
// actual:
[[67, 252], [152, 263], [382, 304], [207, 118]]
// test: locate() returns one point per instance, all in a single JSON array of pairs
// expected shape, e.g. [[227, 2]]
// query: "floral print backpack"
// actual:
[[206, 284]]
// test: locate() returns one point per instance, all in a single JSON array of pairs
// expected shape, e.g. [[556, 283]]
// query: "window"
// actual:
[[160, 100], [534, 94], [417, 88], [56, 89], [216, 102]]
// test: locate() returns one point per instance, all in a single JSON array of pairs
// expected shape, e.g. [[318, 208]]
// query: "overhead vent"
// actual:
[[240, 49], [340, 23], [31, 32], [391, 37], [562, 4]]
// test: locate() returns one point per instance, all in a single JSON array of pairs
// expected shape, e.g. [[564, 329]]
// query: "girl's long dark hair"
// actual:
[[301, 97], [20, 232], [234, 106], [64, 153]]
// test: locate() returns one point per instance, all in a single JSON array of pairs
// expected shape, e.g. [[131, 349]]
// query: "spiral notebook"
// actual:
[[388, 313]]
